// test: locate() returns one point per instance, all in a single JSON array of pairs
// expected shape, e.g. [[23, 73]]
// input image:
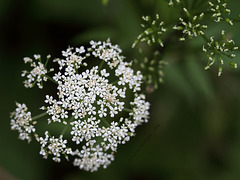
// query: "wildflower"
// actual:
[[38, 74], [22, 122], [151, 68], [154, 29], [218, 10], [90, 159], [88, 102], [54, 146], [190, 28], [215, 50], [140, 109], [93, 99]]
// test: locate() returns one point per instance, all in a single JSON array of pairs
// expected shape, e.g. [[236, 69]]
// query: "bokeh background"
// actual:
[[194, 129]]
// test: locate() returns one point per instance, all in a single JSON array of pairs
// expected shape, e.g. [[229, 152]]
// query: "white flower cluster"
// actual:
[[92, 99], [95, 154], [37, 74], [111, 54], [218, 9], [90, 159], [54, 146], [216, 49], [191, 28], [153, 31], [140, 109], [22, 122], [89, 102], [57, 113]]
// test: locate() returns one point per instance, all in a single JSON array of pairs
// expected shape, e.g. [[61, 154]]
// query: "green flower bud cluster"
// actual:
[[152, 68], [153, 31], [216, 50], [193, 21], [218, 9], [190, 27]]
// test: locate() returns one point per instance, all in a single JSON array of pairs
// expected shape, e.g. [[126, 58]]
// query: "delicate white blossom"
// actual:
[[37, 74], [90, 159], [215, 50], [89, 102], [22, 122], [219, 10], [154, 29], [191, 27], [140, 109], [54, 146]]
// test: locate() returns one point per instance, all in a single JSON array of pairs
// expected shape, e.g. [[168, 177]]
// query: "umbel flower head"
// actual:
[[100, 105]]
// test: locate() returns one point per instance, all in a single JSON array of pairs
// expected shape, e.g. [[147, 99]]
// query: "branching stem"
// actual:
[[127, 110], [51, 79], [39, 116]]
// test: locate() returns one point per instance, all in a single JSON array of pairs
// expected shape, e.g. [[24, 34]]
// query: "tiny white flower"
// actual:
[[89, 102], [21, 120]]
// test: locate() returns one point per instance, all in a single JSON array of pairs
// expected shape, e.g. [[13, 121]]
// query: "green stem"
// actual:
[[101, 65], [51, 79], [75, 68], [221, 53], [204, 37], [236, 20], [65, 128], [105, 121], [39, 116], [127, 110], [45, 65], [114, 82]]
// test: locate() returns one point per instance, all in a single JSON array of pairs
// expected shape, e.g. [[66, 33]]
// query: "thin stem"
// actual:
[[51, 79], [65, 128], [101, 65], [236, 20], [39, 116], [221, 53], [45, 65], [204, 37], [105, 121], [127, 110], [75, 67], [114, 82]]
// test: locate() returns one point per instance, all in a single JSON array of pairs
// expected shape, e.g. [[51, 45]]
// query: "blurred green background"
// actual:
[[194, 129]]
